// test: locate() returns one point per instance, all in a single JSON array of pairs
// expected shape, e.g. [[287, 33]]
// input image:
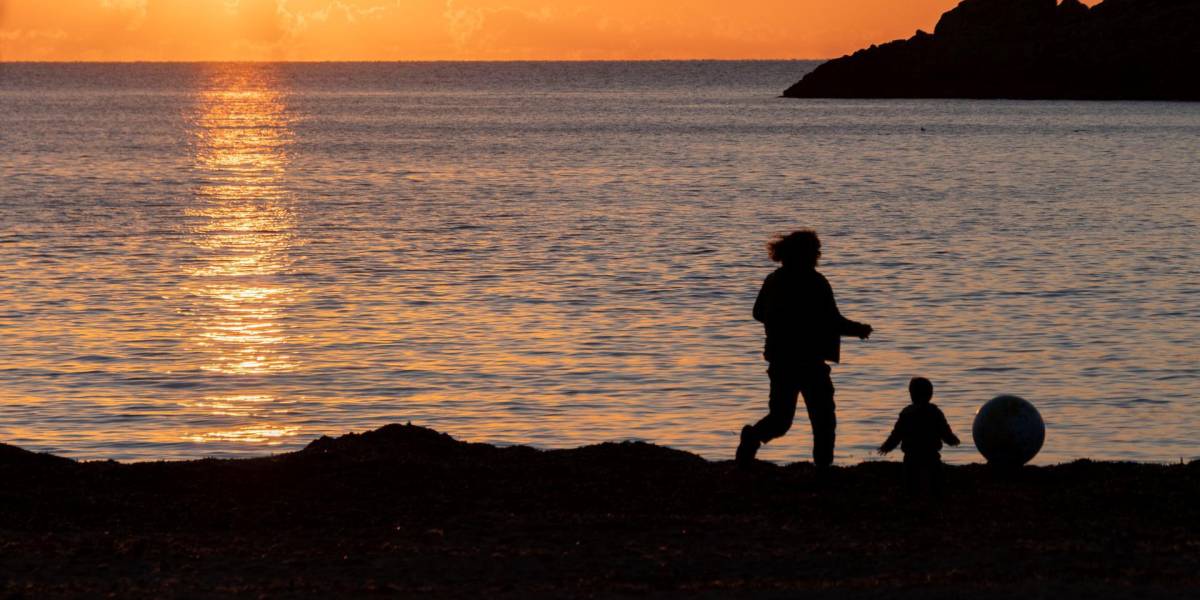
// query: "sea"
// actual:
[[227, 260]]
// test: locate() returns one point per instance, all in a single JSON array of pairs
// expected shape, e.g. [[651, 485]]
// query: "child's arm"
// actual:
[[947, 434], [893, 439]]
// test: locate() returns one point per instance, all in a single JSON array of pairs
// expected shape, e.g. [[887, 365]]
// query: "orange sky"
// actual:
[[452, 29]]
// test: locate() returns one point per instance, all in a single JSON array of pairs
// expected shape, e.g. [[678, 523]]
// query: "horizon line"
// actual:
[[434, 60]]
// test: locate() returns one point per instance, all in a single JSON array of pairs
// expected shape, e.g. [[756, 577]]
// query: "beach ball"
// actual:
[[1008, 431]]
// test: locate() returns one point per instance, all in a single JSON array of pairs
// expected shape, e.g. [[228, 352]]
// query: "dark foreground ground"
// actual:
[[407, 511]]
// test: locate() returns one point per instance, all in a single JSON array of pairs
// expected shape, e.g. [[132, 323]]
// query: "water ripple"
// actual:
[[242, 259]]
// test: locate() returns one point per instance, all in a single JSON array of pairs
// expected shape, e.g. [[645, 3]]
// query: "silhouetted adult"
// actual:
[[804, 330]]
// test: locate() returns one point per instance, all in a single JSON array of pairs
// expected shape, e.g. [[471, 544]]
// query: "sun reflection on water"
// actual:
[[268, 435], [243, 224]]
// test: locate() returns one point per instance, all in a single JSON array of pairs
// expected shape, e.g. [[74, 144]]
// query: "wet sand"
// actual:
[[405, 511]]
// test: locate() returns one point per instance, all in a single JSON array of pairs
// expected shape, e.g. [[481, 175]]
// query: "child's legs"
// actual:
[[923, 471], [936, 474], [784, 389]]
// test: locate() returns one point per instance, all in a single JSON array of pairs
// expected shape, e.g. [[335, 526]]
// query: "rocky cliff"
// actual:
[[1118, 49]]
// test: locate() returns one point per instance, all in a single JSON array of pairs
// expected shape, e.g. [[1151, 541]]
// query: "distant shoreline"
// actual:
[[1030, 50]]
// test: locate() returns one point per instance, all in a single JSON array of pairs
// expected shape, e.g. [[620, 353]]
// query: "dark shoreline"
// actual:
[[406, 510], [1029, 50]]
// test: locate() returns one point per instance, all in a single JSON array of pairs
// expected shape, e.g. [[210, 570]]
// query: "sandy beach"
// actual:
[[404, 510]]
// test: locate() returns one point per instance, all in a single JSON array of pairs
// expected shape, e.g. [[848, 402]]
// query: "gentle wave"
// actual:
[[230, 260]]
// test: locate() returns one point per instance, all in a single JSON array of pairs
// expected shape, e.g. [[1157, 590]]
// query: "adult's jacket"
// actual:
[[802, 320]]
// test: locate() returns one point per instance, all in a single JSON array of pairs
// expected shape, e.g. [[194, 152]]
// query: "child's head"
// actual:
[[920, 390], [800, 248]]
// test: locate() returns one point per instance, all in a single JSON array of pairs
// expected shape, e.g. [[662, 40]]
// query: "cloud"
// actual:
[[298, 19], [134, 9], [463, 23], [509, 31], [454, 29], [261, 20], [34, 43], [522, 29], [32, 35]]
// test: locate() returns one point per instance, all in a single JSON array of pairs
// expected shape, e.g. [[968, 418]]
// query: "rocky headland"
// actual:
[[1029, 49], [407, 511]]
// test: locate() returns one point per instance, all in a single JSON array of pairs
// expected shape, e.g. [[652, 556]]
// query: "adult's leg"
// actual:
[[817, 388], [785, 387]]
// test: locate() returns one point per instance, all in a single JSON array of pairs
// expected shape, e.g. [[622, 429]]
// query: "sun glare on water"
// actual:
[[242, 225]]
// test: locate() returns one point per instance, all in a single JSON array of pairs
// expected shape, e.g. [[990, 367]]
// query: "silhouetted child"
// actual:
[[919, 432]]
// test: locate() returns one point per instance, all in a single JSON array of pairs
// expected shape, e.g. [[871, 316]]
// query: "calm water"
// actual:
[[219, 260]]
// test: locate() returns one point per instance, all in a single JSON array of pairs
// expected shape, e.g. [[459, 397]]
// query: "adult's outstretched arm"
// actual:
[[845, 326]]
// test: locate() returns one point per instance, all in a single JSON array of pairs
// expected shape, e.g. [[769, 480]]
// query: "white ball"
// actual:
[[1008, 431]]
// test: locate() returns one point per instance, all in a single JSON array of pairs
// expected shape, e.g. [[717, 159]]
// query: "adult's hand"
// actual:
[[864, 331]]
